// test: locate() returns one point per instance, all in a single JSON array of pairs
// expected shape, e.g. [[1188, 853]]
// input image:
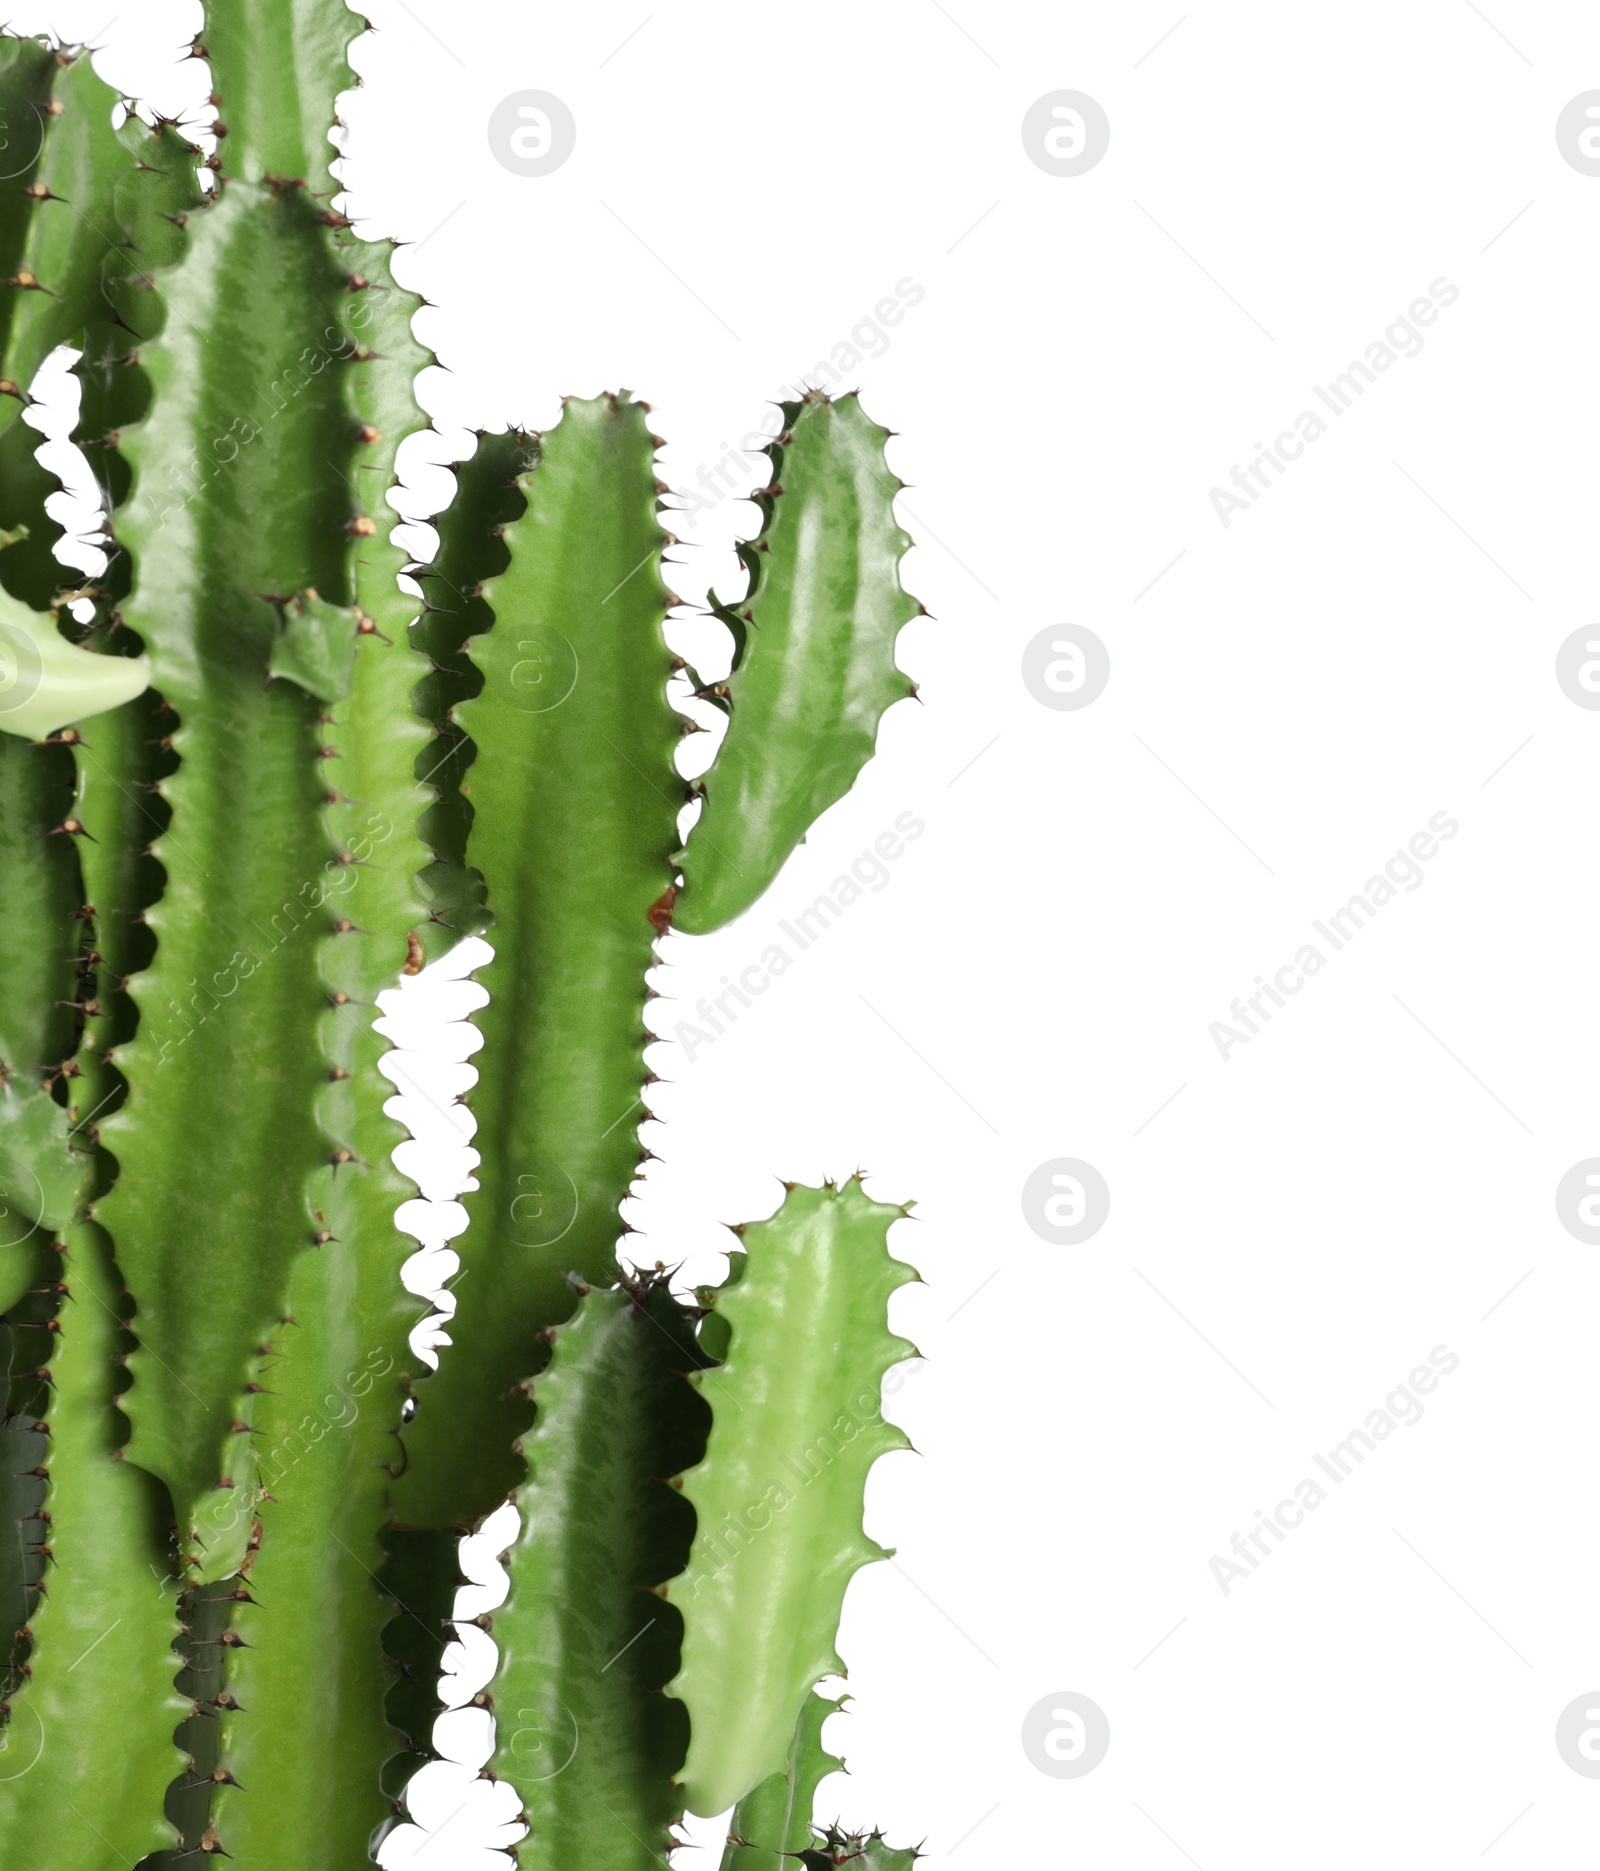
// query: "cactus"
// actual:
[[796, 1425], [244, 786], [814, 668], [585, 1644], [576, 797], [575, 802]]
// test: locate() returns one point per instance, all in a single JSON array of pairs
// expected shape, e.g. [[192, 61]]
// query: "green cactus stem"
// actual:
[[307, 1746], [814, 664], [303, 1743], [575, 800], [231, 999], [796, 1427], [235, 804], [586, 1637], [283, 391], [772, 1823]]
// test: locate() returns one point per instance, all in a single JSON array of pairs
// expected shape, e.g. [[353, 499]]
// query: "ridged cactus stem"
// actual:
[[814, 668], [211, 1524], [300, 633], [587, 1638], [796, 1425], [230, 1006], [252, 605], [574, 798]]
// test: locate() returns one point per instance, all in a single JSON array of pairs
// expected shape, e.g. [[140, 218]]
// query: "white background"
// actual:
[[1372, 643]]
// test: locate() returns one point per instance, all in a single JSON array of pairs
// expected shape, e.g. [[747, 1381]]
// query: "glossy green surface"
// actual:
[[583, 1732], [796, 1426], [310, 1741], [278, 66], [575, 800], [816, 668], [238, 493], [307, 1746], [773, 1821]]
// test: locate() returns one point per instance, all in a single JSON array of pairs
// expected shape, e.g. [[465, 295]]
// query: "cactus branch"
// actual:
[[814, 668], [575, 800], [586, 1640], [796, 1426]]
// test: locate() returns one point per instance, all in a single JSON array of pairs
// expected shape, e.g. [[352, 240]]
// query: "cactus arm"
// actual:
[[308, 1744], [97, 1710], [305, 1749], [231, 1005], [585, 1643], [575, 800], [796, 1426], [816, 669], [773, 1821], [279, 66]]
